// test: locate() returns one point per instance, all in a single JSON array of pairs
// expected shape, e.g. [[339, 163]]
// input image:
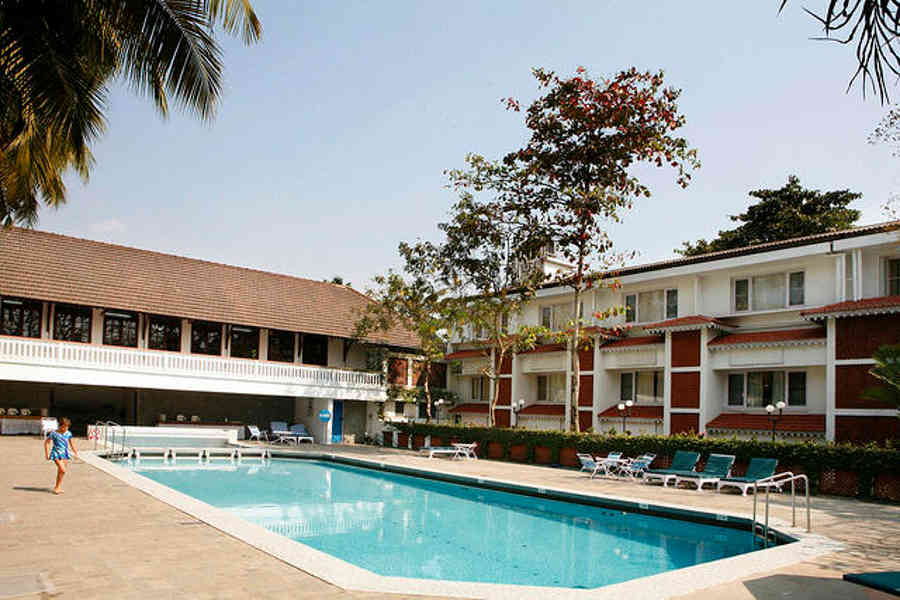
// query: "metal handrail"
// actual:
[[779, 480]]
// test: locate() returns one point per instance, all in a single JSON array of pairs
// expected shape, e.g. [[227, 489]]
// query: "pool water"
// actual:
[[406, 526]]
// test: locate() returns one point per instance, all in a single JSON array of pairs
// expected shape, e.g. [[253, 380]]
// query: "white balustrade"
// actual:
[[64, 354]]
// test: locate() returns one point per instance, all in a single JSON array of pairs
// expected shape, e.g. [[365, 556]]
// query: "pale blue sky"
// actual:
[[335, 129]]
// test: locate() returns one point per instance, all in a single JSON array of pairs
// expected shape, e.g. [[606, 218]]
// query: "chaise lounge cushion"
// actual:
[[682, 462], [759, 468]]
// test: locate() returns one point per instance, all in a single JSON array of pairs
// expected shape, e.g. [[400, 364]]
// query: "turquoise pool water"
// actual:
[[413, 527]]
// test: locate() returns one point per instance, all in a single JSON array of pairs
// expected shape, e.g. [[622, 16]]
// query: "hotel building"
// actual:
[[97, 331], [707, 342]]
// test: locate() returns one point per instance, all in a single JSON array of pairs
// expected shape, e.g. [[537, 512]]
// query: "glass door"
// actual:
[[337, 423]]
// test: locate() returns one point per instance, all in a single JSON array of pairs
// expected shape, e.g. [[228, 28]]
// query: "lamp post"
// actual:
[[625, 411], [437, 409], [517, 407], [773, 417]]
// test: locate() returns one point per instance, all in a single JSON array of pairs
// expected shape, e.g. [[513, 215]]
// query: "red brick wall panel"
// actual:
[[862, 430], [850, 381], [586, 358], [501, 417], [584, 420], [397, 371], [586, 390], [859, 337], [505, 397], [685, 348], [686, 390], [505, 367], [684, 423]]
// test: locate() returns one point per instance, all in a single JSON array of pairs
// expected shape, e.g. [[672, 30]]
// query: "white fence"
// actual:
[[62, 354]]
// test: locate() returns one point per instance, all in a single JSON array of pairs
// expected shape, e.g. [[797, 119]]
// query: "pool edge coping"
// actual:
[[351, 577]]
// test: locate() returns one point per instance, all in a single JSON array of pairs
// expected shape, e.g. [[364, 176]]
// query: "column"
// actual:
[[830, 376], [667, 387]]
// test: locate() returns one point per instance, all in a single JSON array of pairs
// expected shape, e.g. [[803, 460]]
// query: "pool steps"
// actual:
[[201, 453]]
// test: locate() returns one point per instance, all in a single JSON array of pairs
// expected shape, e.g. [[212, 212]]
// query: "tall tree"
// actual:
[[416, 301], [874, 25], [479, 262], [888, 132], [575, 174], [788, 212], [887, 372], [57, 60]]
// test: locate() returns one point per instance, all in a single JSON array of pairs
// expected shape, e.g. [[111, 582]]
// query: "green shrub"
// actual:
[[807, 457]]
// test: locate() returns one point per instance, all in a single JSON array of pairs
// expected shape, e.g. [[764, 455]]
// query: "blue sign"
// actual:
[[324, 415]]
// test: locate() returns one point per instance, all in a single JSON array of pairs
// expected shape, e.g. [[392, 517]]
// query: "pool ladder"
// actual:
[[761, 529], [114, 438]]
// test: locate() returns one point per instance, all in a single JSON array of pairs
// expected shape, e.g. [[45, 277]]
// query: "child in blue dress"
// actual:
[[61, 441]]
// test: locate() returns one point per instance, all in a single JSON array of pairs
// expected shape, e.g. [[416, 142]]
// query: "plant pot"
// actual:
[[518, 452], [839, 483], [887, 487], [543, 455], [436, 441], [568, 458], [418, 441], [495, 450], [402, 439]]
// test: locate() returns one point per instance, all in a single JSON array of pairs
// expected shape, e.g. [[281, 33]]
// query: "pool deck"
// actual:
[[104, 538]]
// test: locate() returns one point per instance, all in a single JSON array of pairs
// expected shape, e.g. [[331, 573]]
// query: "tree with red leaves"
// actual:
[[575, 175]]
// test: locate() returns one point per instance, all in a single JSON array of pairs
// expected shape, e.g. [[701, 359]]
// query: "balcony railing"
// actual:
[[62, 354]]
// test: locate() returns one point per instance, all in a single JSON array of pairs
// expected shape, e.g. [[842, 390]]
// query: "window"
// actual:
[[848, 277], [645, 387], [21, 317], [551, 388], [206, 338], [736, 389], [164, 333], [244, 342], [315, 350], [504, 322], [120, 328], [72, 323], [671, 304], [649, 307], [769, 292], [758, 389], [893, 277], [547, 317], [281, 346], [479, 389], [630, 308], [796, 389], [558, 316]]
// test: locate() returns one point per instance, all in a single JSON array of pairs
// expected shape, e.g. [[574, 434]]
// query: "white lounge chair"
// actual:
[[599, 465], [467, 451], [637, 467], [433, 451], [256, 434], [301, 434]]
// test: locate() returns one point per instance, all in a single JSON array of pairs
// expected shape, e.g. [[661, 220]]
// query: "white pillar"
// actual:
[[514, 386], [185, 336], [706, 380], [830, 376], [263, 344], [567, 421], [96, 326], [595, 394], [667, 388]]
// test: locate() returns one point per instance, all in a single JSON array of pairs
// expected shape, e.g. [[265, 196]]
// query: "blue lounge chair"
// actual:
[[759, 468], [718, 467], [602, 465], [684, 461]]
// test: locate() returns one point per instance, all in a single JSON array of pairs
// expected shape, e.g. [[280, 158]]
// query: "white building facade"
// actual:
[[708, 342]]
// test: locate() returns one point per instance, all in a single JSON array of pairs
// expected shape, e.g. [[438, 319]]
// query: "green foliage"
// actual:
[[887, 371], [789, 212], [807, 457], [57, 60], [417, 394]]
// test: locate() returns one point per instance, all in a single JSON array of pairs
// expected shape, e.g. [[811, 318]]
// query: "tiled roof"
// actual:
[[544, 409], [867, 306], [641, 340], [687, 323], [465, 354], [761, 422], [471, 407], [768, 338], [58, 268], [637, 412]]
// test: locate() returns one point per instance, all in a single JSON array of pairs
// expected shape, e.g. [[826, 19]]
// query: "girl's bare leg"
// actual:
[[60, 473]]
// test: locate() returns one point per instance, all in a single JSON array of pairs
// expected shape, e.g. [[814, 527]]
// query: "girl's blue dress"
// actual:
[[60, 445]]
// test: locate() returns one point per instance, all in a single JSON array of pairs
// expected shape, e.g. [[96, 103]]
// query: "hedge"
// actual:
[[854, 467]]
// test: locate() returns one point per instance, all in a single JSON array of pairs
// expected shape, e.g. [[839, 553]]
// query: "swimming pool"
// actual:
[[402, 526]]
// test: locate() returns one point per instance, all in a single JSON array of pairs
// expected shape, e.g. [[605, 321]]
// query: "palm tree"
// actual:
[[57, 60]]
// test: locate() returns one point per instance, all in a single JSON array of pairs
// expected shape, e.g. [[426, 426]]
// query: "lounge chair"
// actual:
[[759, 468], [467, 450], [599, 465], [718, 467], [433, 451], [280, 432], [637, 467], [300, 434], [256, 434], [683, 462]]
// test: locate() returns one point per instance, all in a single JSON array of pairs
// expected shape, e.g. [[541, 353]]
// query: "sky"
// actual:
[[335, 129]]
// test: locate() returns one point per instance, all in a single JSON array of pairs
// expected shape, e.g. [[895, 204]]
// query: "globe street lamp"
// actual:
[[773, 417], [437, 409], [516, 408], [625, 411]]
